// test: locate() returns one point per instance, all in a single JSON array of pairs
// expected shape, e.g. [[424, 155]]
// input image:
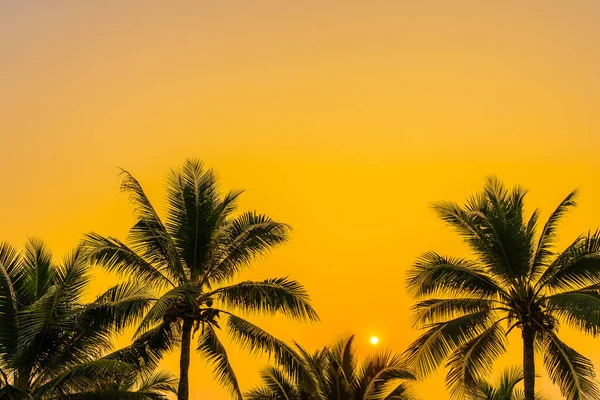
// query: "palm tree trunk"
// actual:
[[528, 363], [183, 393]]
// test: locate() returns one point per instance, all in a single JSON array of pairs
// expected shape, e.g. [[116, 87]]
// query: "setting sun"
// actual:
[[374, 340]]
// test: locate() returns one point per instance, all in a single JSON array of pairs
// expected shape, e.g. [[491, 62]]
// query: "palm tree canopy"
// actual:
[[52, 345], [334, 373], [515, 279], [189, 260]]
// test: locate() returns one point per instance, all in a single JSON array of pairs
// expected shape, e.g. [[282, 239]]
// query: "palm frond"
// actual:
[[428, 352], [548, 235], [278, 384], [253, 339], [580, 308], [147, 350], [246, 238], [11, 282], [161, 382], [261, 393], [472, 361], [149, 236], [40, 274], [115, 256], [382, 374], [213, 350], [578, 266], [571, 371], [433, 273], [275, 295], [430, 311], [192, 217]]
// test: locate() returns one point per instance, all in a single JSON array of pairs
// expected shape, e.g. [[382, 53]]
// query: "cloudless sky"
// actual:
[[345, 119]]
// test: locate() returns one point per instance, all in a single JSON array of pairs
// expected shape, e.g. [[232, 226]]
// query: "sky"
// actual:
[[345, 119]]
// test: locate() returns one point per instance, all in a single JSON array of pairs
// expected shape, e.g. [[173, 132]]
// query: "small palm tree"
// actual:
[[52, 345], [467, 307], [505, 389], [334, 373], [187, 258]]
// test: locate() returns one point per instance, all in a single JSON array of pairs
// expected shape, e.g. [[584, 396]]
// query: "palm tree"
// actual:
[[186, 259], [53, 345], [505, 389], [468, 307], [334, 373]]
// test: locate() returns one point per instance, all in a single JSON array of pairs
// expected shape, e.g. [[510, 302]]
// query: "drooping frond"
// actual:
[[430, 350], [432, 311], [275, 295], [433, 273], [472, 362], [114, 255], [571, 371], [254, 339], [580, 308], [121, 305], [214, 352]]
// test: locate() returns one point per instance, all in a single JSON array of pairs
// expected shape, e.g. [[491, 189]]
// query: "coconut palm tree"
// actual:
[[515, 280], [505, 389], [334, 373], [187, 258], [52, 344]]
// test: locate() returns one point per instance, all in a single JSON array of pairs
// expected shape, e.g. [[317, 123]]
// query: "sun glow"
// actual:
[[374, 340]]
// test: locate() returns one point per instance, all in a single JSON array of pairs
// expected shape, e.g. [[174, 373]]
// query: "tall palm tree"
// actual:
[[334, 373], [515, 280], [200, 246], [505, 389], [52, 344]]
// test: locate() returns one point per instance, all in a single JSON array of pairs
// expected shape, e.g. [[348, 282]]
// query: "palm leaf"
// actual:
[[213, 350], [270, 296], [571, 371]]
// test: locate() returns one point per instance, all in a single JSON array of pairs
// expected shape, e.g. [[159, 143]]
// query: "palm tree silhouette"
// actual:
[[505, 389], [467, 307], [334, 373], [52, 344], [200, 246]]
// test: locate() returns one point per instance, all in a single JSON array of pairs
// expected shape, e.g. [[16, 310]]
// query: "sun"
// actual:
[[374, 340]]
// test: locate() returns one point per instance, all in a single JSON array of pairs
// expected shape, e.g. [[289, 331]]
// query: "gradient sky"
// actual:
[[343, 118]]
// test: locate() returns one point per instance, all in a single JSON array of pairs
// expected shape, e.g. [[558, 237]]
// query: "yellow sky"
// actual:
[[343, 118]]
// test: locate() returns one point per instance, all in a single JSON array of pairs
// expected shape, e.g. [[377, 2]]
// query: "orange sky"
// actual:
[[343, 118]]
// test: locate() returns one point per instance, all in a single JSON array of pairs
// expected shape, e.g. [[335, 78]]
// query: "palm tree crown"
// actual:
[[53, 345], [515, 280], [200, 245], [334, 373]]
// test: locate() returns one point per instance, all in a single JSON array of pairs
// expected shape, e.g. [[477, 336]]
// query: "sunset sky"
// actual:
[[345, 119]]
